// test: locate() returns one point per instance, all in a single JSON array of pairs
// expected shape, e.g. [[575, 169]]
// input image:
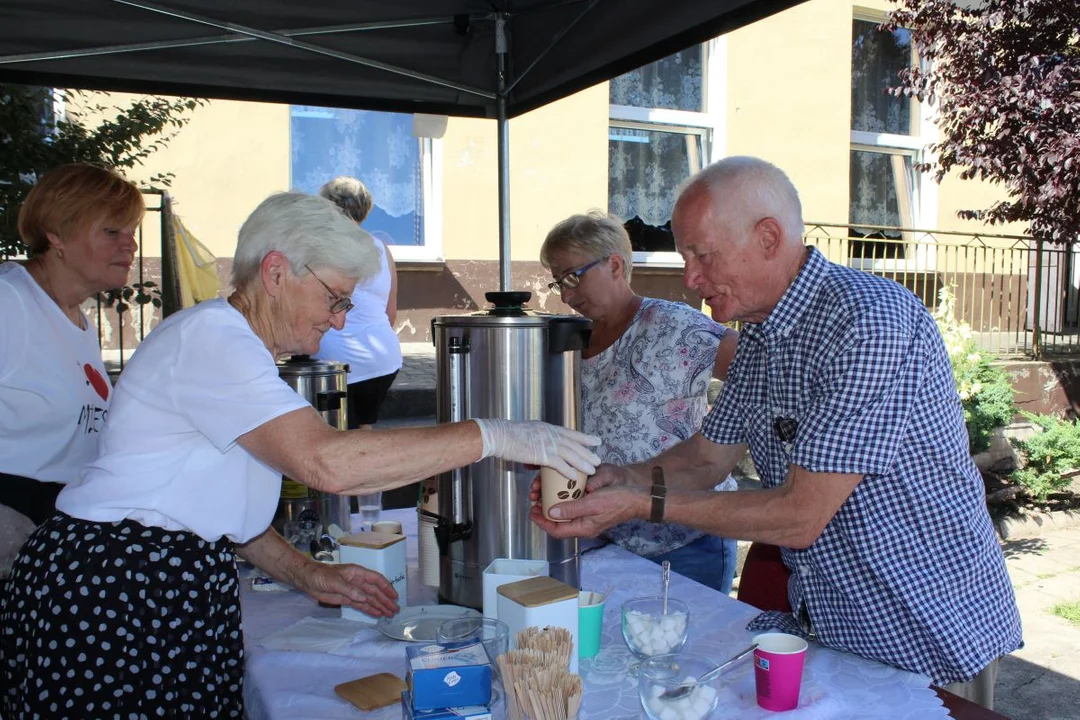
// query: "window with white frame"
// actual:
[[660, 132], [886, 142], [380, 150]]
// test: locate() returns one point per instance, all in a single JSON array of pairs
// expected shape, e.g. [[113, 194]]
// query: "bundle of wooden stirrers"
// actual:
[[535, 680], [553, 641]]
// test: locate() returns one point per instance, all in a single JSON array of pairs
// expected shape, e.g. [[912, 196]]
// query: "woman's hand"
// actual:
[[539, 443], [352, 585]]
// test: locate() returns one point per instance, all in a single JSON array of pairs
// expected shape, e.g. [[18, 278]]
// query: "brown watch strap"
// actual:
[[659, 495]]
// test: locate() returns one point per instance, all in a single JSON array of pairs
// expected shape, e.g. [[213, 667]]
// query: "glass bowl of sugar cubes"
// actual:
[[649, 631], [669, 689]]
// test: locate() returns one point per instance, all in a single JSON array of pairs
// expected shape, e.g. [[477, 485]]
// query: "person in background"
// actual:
[[367, 342], [644, 379], [843, 391], [126, 601], [78, 223]]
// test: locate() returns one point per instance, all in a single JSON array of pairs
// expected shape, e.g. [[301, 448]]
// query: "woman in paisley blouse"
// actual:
[[644, 378]]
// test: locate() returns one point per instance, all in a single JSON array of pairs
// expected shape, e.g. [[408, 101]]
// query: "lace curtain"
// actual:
[[882, 182], [377, 148], [646, 165]]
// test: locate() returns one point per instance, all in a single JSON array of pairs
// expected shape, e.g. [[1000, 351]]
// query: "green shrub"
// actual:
[[986, 392], [1050, 453]]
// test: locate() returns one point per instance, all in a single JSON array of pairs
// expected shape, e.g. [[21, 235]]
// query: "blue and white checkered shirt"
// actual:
[[849, 374]]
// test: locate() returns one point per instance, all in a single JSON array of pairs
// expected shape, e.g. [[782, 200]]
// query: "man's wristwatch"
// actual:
[[659, 495]]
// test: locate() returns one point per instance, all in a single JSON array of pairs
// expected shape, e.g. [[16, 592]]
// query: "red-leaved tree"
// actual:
[[1003, 77]]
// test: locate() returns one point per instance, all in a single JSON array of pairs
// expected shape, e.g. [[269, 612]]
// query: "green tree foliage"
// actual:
[[1003, 77], [35, 138], [985, 391], [1050, 455]]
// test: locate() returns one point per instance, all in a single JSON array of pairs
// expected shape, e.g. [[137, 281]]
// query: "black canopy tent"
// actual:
[[493, 58]]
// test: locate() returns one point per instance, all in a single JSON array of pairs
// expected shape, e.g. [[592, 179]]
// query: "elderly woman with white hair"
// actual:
[[126, 602]]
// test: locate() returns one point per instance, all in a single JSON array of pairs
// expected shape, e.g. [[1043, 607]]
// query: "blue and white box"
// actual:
[[453, 675], [473, 712]]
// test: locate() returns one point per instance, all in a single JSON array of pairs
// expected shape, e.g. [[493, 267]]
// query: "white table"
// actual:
[[284, 684]]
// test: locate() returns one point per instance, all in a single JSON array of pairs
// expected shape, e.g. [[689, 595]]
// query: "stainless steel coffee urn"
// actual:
[[505, 362], [323, 384]]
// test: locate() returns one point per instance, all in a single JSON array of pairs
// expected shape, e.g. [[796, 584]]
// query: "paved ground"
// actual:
[[1039, 682]]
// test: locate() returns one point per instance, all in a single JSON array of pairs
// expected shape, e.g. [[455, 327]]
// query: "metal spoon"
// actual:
[[684, 690], [666, 568]]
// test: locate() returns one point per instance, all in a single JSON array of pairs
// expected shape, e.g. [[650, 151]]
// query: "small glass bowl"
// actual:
[[494, 634], [663, 673], [648, 632]]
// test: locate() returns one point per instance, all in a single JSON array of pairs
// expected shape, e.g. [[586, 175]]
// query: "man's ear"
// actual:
[[770, 236], [274, 269]]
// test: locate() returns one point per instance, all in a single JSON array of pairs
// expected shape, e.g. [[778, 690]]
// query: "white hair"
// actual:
[[308, 230], [743, 188]]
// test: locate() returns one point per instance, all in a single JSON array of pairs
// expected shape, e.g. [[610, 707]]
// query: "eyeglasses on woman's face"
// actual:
[[573, 278], [339, 303]]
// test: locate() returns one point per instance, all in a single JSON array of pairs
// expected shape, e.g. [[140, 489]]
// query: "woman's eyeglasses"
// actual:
[[340, 303], [573, 278]]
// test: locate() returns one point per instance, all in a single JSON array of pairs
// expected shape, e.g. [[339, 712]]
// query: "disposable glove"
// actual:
[[539, 443]]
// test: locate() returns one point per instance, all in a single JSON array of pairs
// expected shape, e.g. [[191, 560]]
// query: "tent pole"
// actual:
[[504, 154]]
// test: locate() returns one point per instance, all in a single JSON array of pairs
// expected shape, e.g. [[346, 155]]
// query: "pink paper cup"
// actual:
[[778, 666]]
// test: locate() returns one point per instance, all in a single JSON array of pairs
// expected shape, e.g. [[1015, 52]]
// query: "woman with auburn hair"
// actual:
[[78, 224]]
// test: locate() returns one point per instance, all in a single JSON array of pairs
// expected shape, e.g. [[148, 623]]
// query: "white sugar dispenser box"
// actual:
[[379, 551], [504, 570], [540, 602]]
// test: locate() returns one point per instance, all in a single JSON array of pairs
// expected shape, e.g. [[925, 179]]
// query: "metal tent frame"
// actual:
[[478, 58]]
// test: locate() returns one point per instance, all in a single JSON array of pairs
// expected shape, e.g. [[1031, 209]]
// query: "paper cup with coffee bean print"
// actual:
[[556, 488]]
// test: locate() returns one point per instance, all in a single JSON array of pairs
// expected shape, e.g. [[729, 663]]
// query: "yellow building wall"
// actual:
[[234, 154], [225, 162], [788, 89], [558, 166], [789, 100]]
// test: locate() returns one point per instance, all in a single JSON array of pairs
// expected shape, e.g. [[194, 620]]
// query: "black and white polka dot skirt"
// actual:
[[106, 620]]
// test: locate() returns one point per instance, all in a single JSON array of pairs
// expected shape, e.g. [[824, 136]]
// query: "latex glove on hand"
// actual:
[[352, 585], [534, 442]]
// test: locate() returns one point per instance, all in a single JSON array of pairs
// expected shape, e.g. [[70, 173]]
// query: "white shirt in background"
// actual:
[[367, 343], [54, 390]]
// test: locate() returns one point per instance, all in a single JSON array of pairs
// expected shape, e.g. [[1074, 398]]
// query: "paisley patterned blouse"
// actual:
[[646, 393]]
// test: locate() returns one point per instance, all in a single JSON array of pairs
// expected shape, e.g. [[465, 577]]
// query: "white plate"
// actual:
[[420, 623]]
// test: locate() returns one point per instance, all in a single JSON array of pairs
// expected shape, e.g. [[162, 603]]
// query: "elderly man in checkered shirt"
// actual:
[[842, 390]]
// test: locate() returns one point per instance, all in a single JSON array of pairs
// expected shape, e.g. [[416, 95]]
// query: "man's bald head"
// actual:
[[743, 189]]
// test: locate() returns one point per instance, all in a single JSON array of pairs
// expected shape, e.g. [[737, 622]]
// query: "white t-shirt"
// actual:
[[368, 342], [168, 455], [54, 391]]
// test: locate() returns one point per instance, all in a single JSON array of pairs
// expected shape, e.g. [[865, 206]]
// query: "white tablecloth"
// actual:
[[287, 684]]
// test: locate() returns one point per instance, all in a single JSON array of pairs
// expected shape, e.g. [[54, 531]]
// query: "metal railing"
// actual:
[[120, 333], [1019, 295]]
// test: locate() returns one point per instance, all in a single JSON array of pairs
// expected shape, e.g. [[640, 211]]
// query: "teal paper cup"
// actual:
[[590, 623]]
